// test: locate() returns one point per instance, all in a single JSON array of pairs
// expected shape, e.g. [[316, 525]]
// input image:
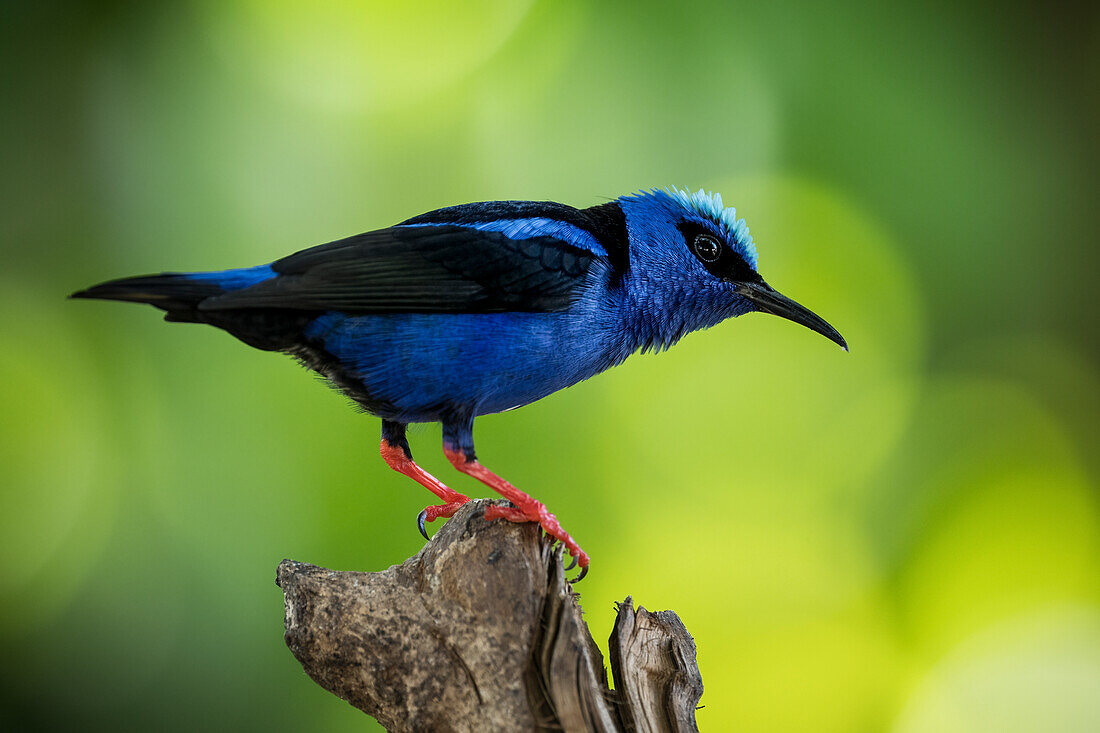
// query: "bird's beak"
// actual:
[[768, 300]]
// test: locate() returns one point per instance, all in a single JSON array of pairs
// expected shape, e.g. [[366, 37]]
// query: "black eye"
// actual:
[[706, 248]]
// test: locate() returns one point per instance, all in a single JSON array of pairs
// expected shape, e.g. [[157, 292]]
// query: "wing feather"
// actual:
[[422, 269]]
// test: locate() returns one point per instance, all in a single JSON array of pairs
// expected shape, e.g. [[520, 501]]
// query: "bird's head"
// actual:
[[705, 261]]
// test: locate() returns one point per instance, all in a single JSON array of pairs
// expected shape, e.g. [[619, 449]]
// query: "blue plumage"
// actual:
[[234, 279], [486, 307], [520, 229], [710, 208]]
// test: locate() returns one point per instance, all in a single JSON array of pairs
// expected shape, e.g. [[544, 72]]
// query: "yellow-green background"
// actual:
[[904, 538]]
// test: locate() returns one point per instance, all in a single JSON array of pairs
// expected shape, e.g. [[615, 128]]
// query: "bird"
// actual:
[[484, 307]]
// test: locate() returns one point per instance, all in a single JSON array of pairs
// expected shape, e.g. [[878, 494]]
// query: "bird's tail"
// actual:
[[178, 293]]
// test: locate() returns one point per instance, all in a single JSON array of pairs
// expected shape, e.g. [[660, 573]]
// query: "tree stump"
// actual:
[[480, 631]]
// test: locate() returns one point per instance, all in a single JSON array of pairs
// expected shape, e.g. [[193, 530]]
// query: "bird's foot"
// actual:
[[536, 511], [524, 508], [437, 511]]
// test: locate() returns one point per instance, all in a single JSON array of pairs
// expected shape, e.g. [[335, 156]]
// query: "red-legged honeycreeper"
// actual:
[[480, 308]]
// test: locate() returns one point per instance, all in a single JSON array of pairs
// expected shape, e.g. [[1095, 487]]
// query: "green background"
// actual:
[[904, 538]]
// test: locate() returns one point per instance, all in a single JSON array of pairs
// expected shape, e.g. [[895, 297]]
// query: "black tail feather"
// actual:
[[271, 329], [153, 289], [175, 293]]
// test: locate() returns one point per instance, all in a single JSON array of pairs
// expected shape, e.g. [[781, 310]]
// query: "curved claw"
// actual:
[[580, 577], [571, 565], [420, 518]]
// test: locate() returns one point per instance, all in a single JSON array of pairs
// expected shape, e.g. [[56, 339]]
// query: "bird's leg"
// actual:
[[459, 448], [526, 509], [398, 456]]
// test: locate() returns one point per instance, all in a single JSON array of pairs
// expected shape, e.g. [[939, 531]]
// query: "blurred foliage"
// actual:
[[905, 538]]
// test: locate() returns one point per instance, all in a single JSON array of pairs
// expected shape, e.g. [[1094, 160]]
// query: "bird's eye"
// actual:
[[706, 248]]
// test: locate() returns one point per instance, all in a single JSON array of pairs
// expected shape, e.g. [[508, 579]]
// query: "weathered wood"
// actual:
[[653, 660], [480, 631]]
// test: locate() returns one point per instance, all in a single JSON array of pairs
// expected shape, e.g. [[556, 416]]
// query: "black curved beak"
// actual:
[[768, 300]]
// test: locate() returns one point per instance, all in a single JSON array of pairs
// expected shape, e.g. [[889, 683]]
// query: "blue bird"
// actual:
[[485, 307]]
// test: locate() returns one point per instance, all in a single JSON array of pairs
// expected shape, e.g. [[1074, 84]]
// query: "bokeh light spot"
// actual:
[[352, 57]]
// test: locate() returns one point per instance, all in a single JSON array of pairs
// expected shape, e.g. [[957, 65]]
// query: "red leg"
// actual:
[[527, 509], [399, 460]]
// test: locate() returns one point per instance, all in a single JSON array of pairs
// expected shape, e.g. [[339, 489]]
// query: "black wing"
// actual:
[[421, 269]]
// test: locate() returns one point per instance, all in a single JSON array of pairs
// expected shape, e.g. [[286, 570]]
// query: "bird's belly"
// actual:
[[416, 367]]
